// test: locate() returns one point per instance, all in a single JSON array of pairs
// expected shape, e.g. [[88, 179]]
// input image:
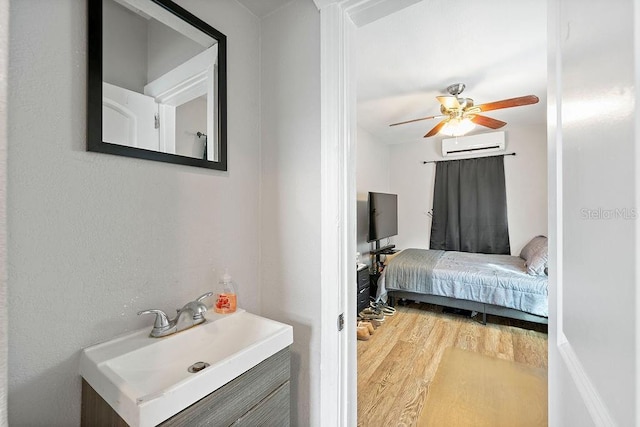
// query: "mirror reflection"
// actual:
[[160, 82]]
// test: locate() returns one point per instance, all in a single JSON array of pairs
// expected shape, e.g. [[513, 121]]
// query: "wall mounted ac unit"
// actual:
[[473, 144]]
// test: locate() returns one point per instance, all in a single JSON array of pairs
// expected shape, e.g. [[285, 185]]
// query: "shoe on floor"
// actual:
[[368, 325], [375, 323], [363, 333], [381, 307], [368, 314], [371, 310]]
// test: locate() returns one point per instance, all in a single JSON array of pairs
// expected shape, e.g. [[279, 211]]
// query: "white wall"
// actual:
[[93, 238], [125, 47], [372, 174], [168, 49], [593, 341], [191, 118], [413, 182], [525, 178], [290, 192]]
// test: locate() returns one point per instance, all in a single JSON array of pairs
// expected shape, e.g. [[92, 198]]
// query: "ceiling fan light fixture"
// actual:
[[461, 115], [457, 127]]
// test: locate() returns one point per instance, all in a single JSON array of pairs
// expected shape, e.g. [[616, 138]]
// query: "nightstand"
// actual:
[[363, 288]]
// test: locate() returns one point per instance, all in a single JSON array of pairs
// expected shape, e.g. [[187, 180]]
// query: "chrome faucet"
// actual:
[[191, 314]]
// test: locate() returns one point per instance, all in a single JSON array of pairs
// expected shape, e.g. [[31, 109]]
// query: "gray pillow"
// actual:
[[536, 255]]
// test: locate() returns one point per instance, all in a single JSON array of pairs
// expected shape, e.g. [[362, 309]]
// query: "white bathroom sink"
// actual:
[[146, 380]]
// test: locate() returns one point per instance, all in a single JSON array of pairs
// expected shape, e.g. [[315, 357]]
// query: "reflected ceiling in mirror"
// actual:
[[157, 83]]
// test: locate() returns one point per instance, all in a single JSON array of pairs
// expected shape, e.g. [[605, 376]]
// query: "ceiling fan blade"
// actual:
[[449, 101], [436, 129], [508, 103], [417, 120], [488, 122]]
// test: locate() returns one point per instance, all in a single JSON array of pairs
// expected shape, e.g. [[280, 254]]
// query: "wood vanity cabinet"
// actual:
[[259, 397]]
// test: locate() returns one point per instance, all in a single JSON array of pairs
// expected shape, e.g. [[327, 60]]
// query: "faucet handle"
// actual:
[[162, 321], [198, 308], [203, 296]]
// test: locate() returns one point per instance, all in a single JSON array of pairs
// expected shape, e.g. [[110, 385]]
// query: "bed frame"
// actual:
[[478, 307]]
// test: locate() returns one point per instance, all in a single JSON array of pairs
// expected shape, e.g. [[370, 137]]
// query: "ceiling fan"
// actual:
[[460, 115]]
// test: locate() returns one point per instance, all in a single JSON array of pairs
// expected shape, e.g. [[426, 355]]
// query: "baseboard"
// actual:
[[592, 400]]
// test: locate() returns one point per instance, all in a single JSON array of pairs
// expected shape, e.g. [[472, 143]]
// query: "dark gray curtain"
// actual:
[[470, 206]]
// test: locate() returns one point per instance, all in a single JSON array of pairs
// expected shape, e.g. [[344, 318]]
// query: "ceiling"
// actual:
[[261, 8], [496, 47]]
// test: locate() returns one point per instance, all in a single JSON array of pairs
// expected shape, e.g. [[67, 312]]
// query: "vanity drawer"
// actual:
[[272, 411], [232, 401]]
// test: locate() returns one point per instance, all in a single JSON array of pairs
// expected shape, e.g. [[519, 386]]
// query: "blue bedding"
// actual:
[[492, 279]]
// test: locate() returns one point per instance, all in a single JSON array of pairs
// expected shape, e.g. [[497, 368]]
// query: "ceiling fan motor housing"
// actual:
[[456, 89]]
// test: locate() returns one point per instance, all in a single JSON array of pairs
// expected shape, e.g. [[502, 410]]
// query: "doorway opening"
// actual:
[[394, 83]]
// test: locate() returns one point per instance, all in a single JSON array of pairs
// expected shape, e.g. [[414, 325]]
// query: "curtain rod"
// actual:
[[424, 162]]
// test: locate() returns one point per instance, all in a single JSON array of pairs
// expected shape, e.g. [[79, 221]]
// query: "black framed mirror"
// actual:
[[157, 83]]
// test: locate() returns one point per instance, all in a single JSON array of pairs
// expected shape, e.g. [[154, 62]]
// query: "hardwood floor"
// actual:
[[396, 365]]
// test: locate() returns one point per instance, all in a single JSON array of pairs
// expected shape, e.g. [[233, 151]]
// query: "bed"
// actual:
[[483, 283]]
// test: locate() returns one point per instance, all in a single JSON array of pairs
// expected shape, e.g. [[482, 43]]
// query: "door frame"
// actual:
[[338, 376], [339, 20]]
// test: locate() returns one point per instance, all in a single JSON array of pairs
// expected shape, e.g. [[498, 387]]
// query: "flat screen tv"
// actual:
[[383, 216]]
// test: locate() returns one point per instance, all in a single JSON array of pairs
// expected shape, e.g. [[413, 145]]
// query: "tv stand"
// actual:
[[382, 250]]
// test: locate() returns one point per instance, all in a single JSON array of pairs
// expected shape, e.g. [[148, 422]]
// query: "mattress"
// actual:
[[492, 279]]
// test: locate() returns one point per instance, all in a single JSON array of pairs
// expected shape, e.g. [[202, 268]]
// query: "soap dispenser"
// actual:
[[227, 300]]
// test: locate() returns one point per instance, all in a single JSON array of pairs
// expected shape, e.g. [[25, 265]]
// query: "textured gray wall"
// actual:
[[4, 50], [93, 238], [290, 192]]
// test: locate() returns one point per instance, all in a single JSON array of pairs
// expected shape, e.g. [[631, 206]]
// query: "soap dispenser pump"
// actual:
[[227, 299]]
